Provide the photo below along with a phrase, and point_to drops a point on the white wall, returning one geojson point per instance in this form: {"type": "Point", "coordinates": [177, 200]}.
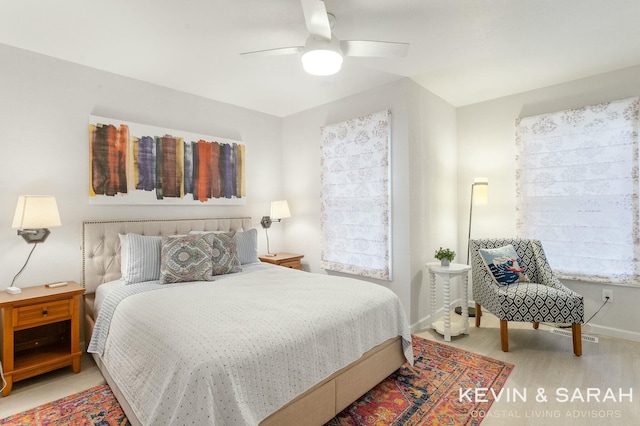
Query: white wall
{"type": "Point", "coordinates": [433, 208]}
{"type": "Point", "coordinates": [486, 147]}
{"type": "Point", "coordinates": [45, 105]}
{"type": "Point", "coordinates": [422, 150]}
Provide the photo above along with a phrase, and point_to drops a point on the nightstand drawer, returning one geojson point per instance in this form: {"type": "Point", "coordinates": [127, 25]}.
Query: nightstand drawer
{"type": "Point", "coordinates": [293, 264]}
{"type": "Point", "coordinates": [42, 313]}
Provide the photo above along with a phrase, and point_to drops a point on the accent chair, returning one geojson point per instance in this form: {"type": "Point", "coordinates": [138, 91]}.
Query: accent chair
{"type": "Point", "coordinates": [543, 298]}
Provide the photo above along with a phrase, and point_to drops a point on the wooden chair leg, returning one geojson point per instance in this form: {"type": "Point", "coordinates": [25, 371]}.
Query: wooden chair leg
{"type": "Point", "coordinates": [478, 314]}
{"type": "Point", "coordinates": [576, 332]}
{"type": "Point", "coordinates": [504, 336]}
{"type": "Point", "coordinates": [536, 325]}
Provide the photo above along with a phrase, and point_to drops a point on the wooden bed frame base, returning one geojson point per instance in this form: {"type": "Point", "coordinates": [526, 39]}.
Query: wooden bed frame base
{"type": "Point", "coordinates": [322, 402]}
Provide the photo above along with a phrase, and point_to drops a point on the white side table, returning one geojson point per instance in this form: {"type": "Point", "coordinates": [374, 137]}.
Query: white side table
{"type": "Point", "coordinates": [444, 325]}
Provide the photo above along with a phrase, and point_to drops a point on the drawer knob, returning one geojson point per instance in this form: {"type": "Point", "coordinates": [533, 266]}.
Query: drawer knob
{"type": "Point", "coordinates": [45, 312]}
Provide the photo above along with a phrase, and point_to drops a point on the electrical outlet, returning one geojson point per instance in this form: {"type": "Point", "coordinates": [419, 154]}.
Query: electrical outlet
{"type": "Point", "coordinates": [607, 293]}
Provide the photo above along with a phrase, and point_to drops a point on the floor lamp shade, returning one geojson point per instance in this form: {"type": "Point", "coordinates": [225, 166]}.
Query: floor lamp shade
{"type": "Point", "coordinates": [480, 188]}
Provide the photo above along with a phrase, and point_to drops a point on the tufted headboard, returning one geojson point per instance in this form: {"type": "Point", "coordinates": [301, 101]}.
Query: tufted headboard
{"type": "Point", "coordinates": [101, 243]}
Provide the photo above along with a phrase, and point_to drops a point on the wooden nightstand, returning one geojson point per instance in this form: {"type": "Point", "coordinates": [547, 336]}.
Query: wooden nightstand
{"type": "Point", "coordinates": [40, 331]}
{"type": "Point", "coordinates": [288, 260]}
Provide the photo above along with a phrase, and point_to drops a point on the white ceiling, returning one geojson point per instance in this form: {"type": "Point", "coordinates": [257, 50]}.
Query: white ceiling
{"type": "Point", "coordinates": [465, 51]}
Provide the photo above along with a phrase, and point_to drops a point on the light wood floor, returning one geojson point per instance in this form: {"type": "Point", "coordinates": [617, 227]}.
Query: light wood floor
{"type": "Point", "coordinates": [546, 361]}
{"type": "Point", "coordinates": [542, 361]}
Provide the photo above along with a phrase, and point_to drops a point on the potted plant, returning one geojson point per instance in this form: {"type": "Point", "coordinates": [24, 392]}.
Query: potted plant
{"type": "Point", "coordinates": [445, 256]}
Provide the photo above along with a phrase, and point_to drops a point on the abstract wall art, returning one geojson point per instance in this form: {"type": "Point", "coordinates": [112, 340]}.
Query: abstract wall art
{"type": "Point", "coordinates": [132, 163]}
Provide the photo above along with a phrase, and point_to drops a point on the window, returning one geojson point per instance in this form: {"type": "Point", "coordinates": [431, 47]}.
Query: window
{"type": "Point", "coordinates": [354, 201]}
{"type": "Point", "coordinates": [577, 189]}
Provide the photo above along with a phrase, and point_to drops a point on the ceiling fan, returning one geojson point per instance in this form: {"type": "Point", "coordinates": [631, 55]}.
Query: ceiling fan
{"type": "Point", "coordinates": [322, 53]}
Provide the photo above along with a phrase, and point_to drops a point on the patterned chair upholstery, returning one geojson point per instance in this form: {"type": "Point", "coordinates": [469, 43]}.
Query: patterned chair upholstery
{"type": "Point", "coordinates": [543, 299]}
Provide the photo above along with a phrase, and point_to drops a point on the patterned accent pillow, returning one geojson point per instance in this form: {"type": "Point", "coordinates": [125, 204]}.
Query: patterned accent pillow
{"type": "Point", "coordinates": [224, 253]}
{"type": "Point", "coordinates": [505, 265]}
{"type": "Point", "coordinates": [246, 243]}
{"type": "Point", "coordinates": [185, 258]}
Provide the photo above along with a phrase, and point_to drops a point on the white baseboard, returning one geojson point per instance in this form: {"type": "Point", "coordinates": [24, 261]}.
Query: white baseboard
{"type": "Point", "coordinates": [423, 324]}
{"type": "Point", "coordinates": [611, 332]}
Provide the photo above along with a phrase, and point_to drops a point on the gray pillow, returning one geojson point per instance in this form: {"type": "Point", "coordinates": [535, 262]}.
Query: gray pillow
{"type": "Point", "coordinates": [247, 245]}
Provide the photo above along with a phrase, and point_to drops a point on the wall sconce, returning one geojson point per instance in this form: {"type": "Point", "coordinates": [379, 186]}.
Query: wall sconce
{"type": "Point", "coordinates": [279, 211]}
{"type": "Point", "coordinates": [34, 215]}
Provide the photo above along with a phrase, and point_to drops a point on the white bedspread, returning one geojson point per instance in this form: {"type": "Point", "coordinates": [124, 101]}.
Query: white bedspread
{"type": "Point", "coordinates": [233, 351]}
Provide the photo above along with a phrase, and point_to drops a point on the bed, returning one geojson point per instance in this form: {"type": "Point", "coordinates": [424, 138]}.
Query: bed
{"type": "Point", "coordinates": [265, 345]}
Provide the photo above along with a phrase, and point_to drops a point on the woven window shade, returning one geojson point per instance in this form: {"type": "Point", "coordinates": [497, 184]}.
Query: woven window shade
{"type": "Point", "coordinates": [355, 205]}
{"type": "Point", "coordinates": [577, 189]}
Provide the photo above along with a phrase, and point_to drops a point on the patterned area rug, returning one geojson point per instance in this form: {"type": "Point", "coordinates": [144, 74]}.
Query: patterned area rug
{"type": "Point", "coordinates": [437, 390]}
{"type": "Point", "coordinates": [428, 393]}
{"type": "Point", "coordinates": [95, 406]}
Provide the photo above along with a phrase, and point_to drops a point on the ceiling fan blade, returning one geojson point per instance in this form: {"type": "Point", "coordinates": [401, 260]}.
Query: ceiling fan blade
{"type": "Point", "coordinates": [383, 49]}
{"type": "Point", "coordinates": [275, 52]}
{"type": "Point", "coordinates": [315, 16]}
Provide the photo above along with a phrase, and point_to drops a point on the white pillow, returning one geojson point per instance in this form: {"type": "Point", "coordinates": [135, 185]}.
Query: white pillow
{"type": "Point", "coordinates": [140, 257]}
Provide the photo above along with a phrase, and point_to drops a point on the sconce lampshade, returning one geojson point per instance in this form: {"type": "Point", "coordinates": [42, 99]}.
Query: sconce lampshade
{"type": "Point", "coordinates": [280, 210]}
{"type": "Point", "coordinates": [34, 214]}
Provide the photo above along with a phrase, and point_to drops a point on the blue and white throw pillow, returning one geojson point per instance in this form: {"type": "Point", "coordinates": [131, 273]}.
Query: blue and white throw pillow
{"type": "Point", "coordinates": [504, 264]}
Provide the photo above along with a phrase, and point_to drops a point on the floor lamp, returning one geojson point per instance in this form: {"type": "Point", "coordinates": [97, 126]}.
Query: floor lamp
{"type": "Point", "coordinates": [479, 196]}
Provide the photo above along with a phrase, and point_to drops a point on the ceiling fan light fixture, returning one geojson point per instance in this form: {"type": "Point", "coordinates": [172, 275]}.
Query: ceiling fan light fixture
{"type": "Point", "coordinates": [321, 62]}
